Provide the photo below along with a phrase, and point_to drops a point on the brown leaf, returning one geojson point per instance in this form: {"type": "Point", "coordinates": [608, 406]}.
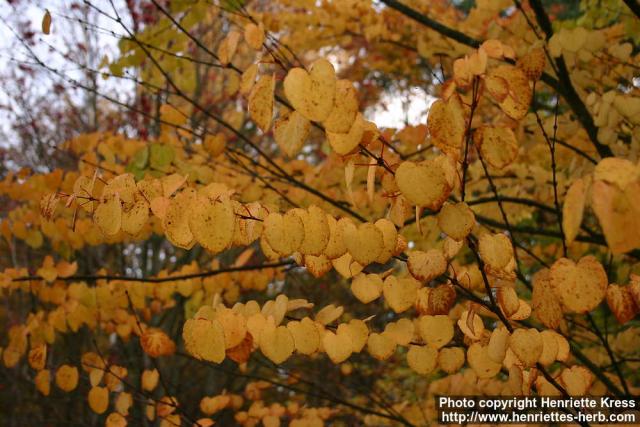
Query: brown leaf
{"type": "Point", "coordinates": [621, 302]}
{"type": "Point", "coordinates": [241, 352]}
{"type": "Point", "coordinates": [46, 22]}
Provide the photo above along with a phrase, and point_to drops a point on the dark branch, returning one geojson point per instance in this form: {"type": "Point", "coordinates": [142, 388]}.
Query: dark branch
{"type": "Point", "coordinates": [209, 273]}
{"type": "Point", "coordinates": [634, 6]}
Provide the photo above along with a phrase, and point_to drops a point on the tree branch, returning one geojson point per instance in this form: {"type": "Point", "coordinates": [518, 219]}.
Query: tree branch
{"type": "Point", "coordinates": [566, 86]}
{"type": "Point", "coordinates": [433, 24]}
{"type": "Point", "coordinates": [634, 6]}
{"type": "Point", "coordinates": [562, 85]}
{"type": "Point", "coordinates": [209, 273]}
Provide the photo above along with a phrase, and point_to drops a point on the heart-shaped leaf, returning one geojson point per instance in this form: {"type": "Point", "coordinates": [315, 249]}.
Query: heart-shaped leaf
{"type": "Point", "coordinates": [313, 93]}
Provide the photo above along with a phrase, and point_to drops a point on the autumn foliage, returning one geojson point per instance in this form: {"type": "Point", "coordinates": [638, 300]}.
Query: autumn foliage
{"type": "Point", "coordinates": [241, 244]}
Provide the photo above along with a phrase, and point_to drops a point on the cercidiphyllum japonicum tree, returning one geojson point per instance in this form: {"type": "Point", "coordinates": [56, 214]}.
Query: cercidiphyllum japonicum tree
{"type": "Point", "coordinates": [260, 251]}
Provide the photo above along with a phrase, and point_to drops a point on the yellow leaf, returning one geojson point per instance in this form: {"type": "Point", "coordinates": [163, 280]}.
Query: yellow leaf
{"type": "Point", "coordinates": [344, 110]}
{"type": "Point", "coordinates": [580, 287]}
{"type": "Point", "coordinates": [618, 171]}
{"type": "Point", "coordinates": [573, 209]}
{"type": "Point", "coordinates": [305, 336]}
{"type": "Point", "coordinates": [318, 266]}
{"type": "Point", "coordinates": [371, 179]}
{"type": "Point", "coordinates": [366, 287]}
{"type": "Point", "coordinates": [364, 242]}
{"type": "Point", "coordinates": [284, 233]}
{"type": "Point", "coordinates": [176, 219]}
{"type": "Point", "coordinates": [248, 79]}
{"type": "Point", "coordinates": [545, 304]}
{"type": "Point", "coordinates": [159, 206]}
{"type": "Point", "coordinates": [204, 339]}
{"type": "Point", "coordinates": [422, 359]}
{"type": "Point", "coordinates": [234, 326]}
{"type": "Point", "coordinates": [345, 143]}
{"type": "Point", "coordinates": [256, 323]}
{"type": "Point", "coordinates": [479, 360]}
{"type": "Point", "coordinates": [316, 230]}
{"type": "Point", "coordinates": [211, 405]}
{"type": "Point", "coordinates": [261, 102]}
{"type": "Point", "coordinates": [498, 145]}
{"type": "Point", "coordinates": [621, 302]}
{"type": "Point", "coordinates": [401, 293]}
{"type": "Point", "coordinates": [618, 211]}
{"type": "Point", "coordinates": [456, 220]}
{"type": "Point", "coordinates": [171, 115]}
{"type": "Point", "coordinates": [98, 399]}
{"type": "Point", "coordinates": [329, 314]}
{"type": "Point", "coordinates": [550, 347]}
{"type": "Point", "coordinates": [390, 239]}
{"type": "Point", "coordinates": [171, 183]}
{"type": "Point", "coordinates": [451, 359]}
{"type": "Point", "coordinates": [349, 174]}
{"type": "Point", "coordinates": [290, 132]}
{"type": "Point", "coordinates": [135, 217]}
{"type": "Point", "coordinates": [438, 300]}
{"type": "Point", "coordinates": [108, 215]}
{"type": "Point", "coordinates": [495, 250]}
{"type": "Point", "coordinates": [577, 380]}
{"type": "Point", "coordinates": [533, 63]}
{"type": "Point", "coordinates": [471, 325]}
{"type": "Point", "coordinates": [493, 48]}
{"type": "Point", "coordinates": [498, 344]}
{"type": "Point", "coordinates": [48, 205]}
{"type": "Point", "coordinates": [527, 345]}
{"type": "Point", "coordinates": [380, 346]}
{"type": "Point", "coordinates": [447, 125]}
{"type": "Point", "coordinates": [358, 331]}
{"type": "Point", "coordinates": [67, 377]}
{"type": "Point", "coordinates": [150, 188]}
{"type": "Point", "coordinates": [426, 184]}
{"type": "Point", "coordinates": [228, 46]}
{"type": "Point", "coordinates": [113, 379]}
{"type": "Point", "coordinates": [212, 223]}
{"type": "Point", "coordinates": [123, 403]}
{"type": "Point", "coordinates": [150, 379]}
{"type": "Point", "coordinates": [516, 103]}
{"type": "Point", "coordinates": [48, 270]}
{"type": "Point", "coordinates": [508, 300]}
{"type": "Point", "coordinates": [312, 94]}
{"type": "Point", "coordinates": [66, 269]}
{"type": "Point", "coordinates": [115, 420]}
{"type": "Point", "coordinates": [451, 247]}
{"type": "Point", "coordinates": [426, 266]}
{"type": "Point", "coordinates": [156, 343]}
{"type": "Point", "coordinates": [497, 87]}
{"type": "Point", "coordinates": [572, 40]}
{"type": "Point", "coordinates": [436, 331]}
{"type": "Point", "coordinates": [335, 246]}
{"type": "Point", "coordinates": [83, 190]}
{"type": "Point", "coordinates": [166, 406]}
{"type": "Point", "coordinates": [254, 35]}
{"type": "Point", "coordinates": [401, 332]}
{"type": "Point", "coordinates": [43, 381]}
{"type": "Point", "coordinates": [248, 223]}
{"type": "Point", "coordinates": [276, 343]}
{"type": "Point", "coordinates": [337, 346]}
{"type": "Point", "coordinates": [38, 357]}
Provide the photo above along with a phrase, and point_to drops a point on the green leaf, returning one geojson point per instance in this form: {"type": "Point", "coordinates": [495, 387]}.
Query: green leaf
{"type": "Point", "coordinates": [160, 156]}
{"type": "Point", "coordinates": [232, 5]}
{"type": "Point", "coordinates": [141, 159]}
{"type": "Point", "coordinates": [138, 173]}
